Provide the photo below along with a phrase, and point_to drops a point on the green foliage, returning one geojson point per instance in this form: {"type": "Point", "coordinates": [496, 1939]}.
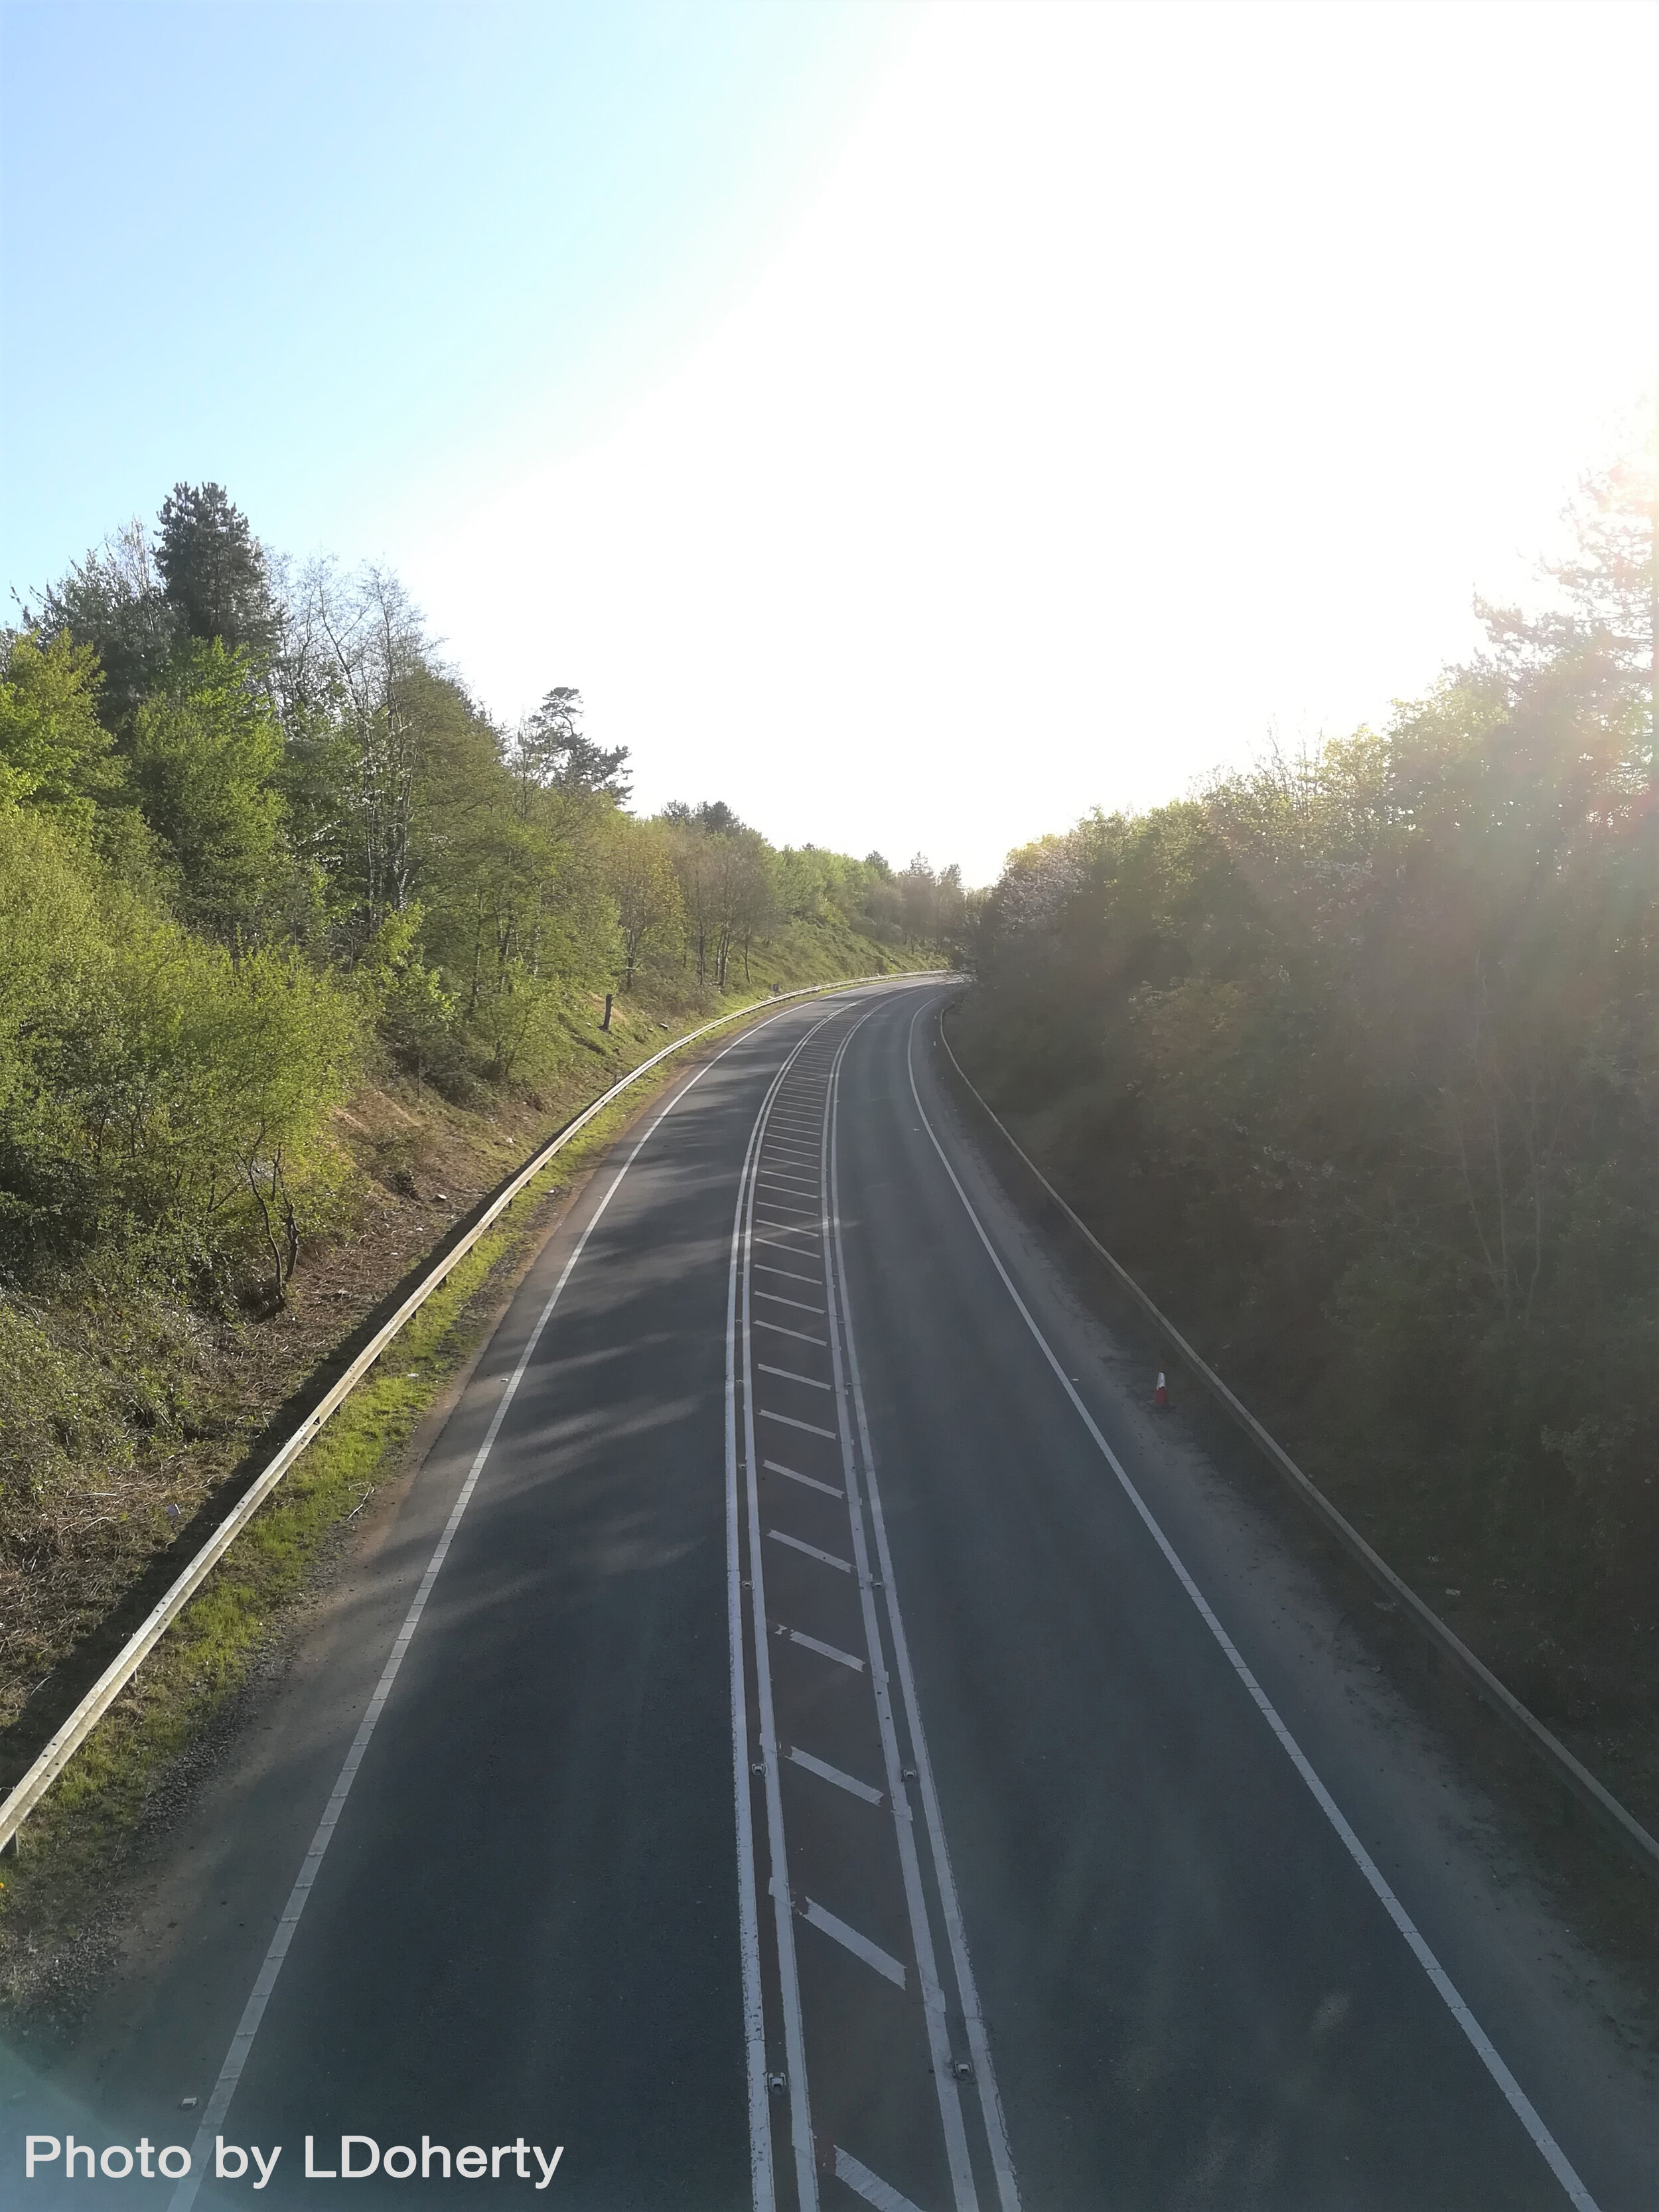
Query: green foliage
{"type": "Point", "coordinates": [150, 1085]}
{"type": "Point", "coordinates": [1355, 1056]}
{"type": "Point", "coordinates": [254, 836]}
{"type": "Point", "coordinates": [205, 755]}
{"type": "Point", "coordinates": [55, 754]}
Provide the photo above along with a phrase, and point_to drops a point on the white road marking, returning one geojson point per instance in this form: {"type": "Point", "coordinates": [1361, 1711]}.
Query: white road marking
{"type": "Point", "coordinates": [823, 1768]}
{"type": "Point", "coordinates": [811, 1550]}
{"type": "Point", "coordinates": [781, 1206]}
{"type": "Point", "coordinates": [783, 1229]}
{"type": "Point", "coordinates": [799, 1334]}
{"type": "Point", "coordinates": [777, 1467]}
{"type": "Point", "coordinates": [870, 2186]}
{"type": "Point", "coordinates": [778, 1300]}
{"type": "Point", "coordinates": [253, 2012]}
{"type": "Point", "coordinates": [859, 1945]}
{"type": "Point", "coordinates": [825, 1651]}
{"type": "Point", "coordinates": [1513, 2094]}
{"type": "Point", "coordinates": [790, 1422]}
{"type": "Point", "coordinates": [789, 1275]}
{"type": "Point", "coordinates": [800, 2116]}
{"type": "Point", "coordinates": [946, 2089]}
{"type": "Point", "coordinates": [789, 1375]}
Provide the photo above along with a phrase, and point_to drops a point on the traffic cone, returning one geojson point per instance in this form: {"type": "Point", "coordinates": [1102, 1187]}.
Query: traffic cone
{"type": "Point", "coordinates": [1161, 1395]}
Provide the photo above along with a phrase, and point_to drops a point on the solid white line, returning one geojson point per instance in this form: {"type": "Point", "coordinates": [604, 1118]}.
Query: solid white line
{"type": "Point", "coordinates": [870, 2186]}
{"type": "Point", "coordinates": [825, 1651]}
{"type": "Point", "coordinates": [789, 1421]}
{"type": "Point", "coordinates": [777, 1467]}
{"type": "Point", "coordinates": [1513, 2094]}
{"type": "Point", "coordinates": [811, 1550]}
{"type": "Point", "coordinates": [762, 2178]}
{"type": "Point", "coordinates": [828, 1773]}
{"type": "Point", "coordinates": [921, 1935]}
{"type": "Point", "coordinates": [789, 1375]}
{"type": "Point", "coordinates": [253, 2012]}
{"type": "Point", "coordinates": [859, 1945]}
{"type": "Point", "coordinates": [799, 1334]}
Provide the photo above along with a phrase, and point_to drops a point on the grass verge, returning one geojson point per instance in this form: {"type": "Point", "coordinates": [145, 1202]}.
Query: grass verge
{"type": "Point", "coordinates": [59, 1904]}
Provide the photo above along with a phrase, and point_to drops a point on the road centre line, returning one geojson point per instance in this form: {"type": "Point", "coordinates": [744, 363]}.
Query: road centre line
{"type": "Point", "coordinates": [790, 1422]}
{"type": "Point", "coordinates": [825, 1772]}
{"type": "Point", "coordinates": [859, 1945]}
{"type": "Point", "coordinates": [789, 1375]}
{"type": "Point", "coordinates": [800, 2118]}
{"type": "Point", "coordinates": [1510, 2089]}
{"type": "Point", "coordinates": [253, 2012]}
{"type": "Point", "coordinates": [828, 1558]}
{"type": "Point", "coordinates": [799, 1334]}
{"type": "Point", "coordinates": [945, 2084]}
{"type": "Point", "coordinates": [776, 1466]}
{"type": "Point", "coordinates": [825, 1651]}
{"type": "Point", "coordinates": [870, 2186]}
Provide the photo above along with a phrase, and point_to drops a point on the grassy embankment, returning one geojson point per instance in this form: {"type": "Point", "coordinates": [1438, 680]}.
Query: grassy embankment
{"type": "Point", "coordinates": [412, 1164]}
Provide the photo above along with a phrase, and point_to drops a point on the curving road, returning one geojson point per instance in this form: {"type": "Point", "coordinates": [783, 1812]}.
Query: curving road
{"type": "Point", "coordinates": [806, 1738]}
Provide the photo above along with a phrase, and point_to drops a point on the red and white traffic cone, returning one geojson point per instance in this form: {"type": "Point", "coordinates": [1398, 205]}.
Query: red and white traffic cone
{"type": "Point", "coordinates": [1161, 1395]}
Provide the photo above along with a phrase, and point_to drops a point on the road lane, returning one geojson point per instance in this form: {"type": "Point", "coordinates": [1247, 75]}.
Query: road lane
{"type": "Point", "coordinates": [1195, 1998]}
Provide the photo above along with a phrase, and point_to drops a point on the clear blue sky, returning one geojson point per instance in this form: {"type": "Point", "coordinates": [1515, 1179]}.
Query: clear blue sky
{"type": "Point", "coordinates": [913, 423]}
{"type": "Point", "coordinates": [340, 254]}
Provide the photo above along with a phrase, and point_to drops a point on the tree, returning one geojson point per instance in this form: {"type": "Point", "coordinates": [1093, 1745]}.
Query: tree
{"type": "Point", "coordinates": [650, 909]}
{"type": "Point", "coordinates": [205, 754]}
{"type": "Point", "coordinates": [554, 751]}
{"type": "Point", "coordinates": [214, 571]}
{"type": "Point", "coordinates": [55, 754]}
{"type": "Point", "coordinates": [113, 601]}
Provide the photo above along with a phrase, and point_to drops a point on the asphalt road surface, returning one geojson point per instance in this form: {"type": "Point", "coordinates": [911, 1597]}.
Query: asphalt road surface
{"type": "Point", "coordinates": [802, 1741]}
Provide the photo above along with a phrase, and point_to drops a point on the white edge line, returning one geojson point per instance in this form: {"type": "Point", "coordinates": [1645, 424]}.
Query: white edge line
{"type": "Point", "coordinates": [1513, 2094]}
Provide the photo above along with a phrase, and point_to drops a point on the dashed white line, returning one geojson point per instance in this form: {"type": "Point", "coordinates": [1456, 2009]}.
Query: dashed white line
{"type": "Point", "coordinates": [859, 1945]}
{"type": "Point", "coordinates": [825, 1772]}
{"type": "Point", "coordinates": [777, 1467]}
{"type": "Point", "coordinates": [825, 1651]}
{"type": "Point", "coordinates": [777, 1298]}
{"type": "Point", "coordinates": [799, 1334]}
{"type": "Point", "coordinates": [789, 1375]}
{"type": "Point", "coordinates": [870, 2186]}
{"type": "Point", "coordinates": [811, 1550]}
{"type": "Point", "coordinates": [789, 1421]}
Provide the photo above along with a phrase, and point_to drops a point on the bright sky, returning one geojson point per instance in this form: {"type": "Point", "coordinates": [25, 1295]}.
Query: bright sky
{"type": "Point", "coordinates": [913, 424]}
